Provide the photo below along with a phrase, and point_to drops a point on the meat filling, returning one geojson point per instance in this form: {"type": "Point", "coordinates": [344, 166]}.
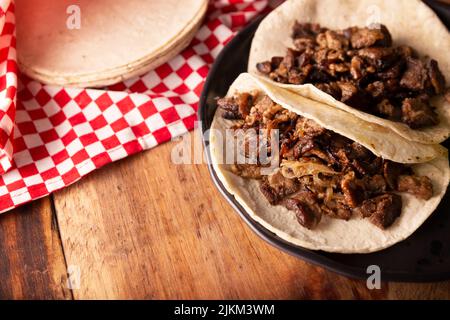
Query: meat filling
{"type": "Point", "coordinates": [361, 68]}
{"type": "Point", "coordinates": [321, 172]}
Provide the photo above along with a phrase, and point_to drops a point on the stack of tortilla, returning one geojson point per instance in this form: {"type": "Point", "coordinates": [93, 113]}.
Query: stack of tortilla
{"type": "Point", "coordinates": [97, 43]}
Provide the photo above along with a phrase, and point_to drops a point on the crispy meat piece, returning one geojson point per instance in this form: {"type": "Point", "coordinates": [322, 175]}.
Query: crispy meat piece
{"type": "Point", "coordinates": [418, 114]}
{"type": "Point", "coordinates": [356, 66]}
{"type": "Point", "coordinates": [308, 128]}
{"type": "Point", "coordinates": [382, 210]}
{"type": "Point", "coordinates": [421, 187]}
{"type": "Point", "coordinates": [378, 57]}
{"type": "Point", "coordinates": [331, 88]}
{"type": "Point", "coordinates": [353, 96]}
{"type": "Point", "coordinates": [236, 107]}
{"type": "Point", "coordinates": [374, 185]}
{"type": "Point", "coordinates": [249, 171]}
{"type": "Point", "coordinates": [436, 77]}
{"type": "Point", "coordinates": [376, 89]}
{"type": "Point", "coordinates": [276, 187]}
{"type": "Point", "coordinates": [353, 193]}
{"type": "Point", "coordinates": [337, 209]}
{"type": "Point", "coordinates": [375, 35]}
{"type": "Point", "coordinates": [391, 172]}
{"type": "Point", "coordinates": [306, 30]}
{"type": "Point", "coordinates": [387, 110]}
{"type": "Point", "coordinates": [332, 40]}
{"type": "Point", "coordinates": [415, 76]}
{"type": "Point", "coordinates": [306, 208]}
{"type": "Point", "coordinates": [264, 67]}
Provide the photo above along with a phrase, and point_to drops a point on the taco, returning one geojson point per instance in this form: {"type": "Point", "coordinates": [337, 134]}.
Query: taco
{"type": "Point", "coordinates": [383, 61]}
{"type": "Point", "coordinates": [334, 182]}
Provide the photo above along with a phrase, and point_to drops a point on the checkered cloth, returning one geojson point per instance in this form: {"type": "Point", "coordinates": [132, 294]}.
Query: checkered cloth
{"type": "Point", "coordinates": [52, 136]}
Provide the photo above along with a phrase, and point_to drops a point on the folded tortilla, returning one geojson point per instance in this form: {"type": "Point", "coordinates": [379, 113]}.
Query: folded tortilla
{"type": "Point", "coordinates": [410, 22]}
{"type": "Point", "coordinates": [356, 235]}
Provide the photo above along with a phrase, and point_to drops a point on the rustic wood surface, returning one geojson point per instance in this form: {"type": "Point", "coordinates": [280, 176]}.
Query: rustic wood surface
{"type": "Point", "coordinates": [147, 228]}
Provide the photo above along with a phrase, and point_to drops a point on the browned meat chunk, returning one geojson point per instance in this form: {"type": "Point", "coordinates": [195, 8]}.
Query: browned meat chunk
{"type": "Point", "coordinates": [249, 171]}
{"type": "Point", "coordinates": [264, 67]}
{"type": "Point", "coordinates": [391, 172]}
{"type": "Point", "coordinates": [375, 35]}
{"type": "Point", "coordinates": [374, 185]}
{"type": "Point", "coordinates": [331, 88]}
{"type": "Point", "coordinates": [276, 187]}
{"type": "Point", "coordinates": [337, 209]}
{"type": "Point", "coordinates": [308, 128]}
{"type": "Point", "coordinates": [376, 89]}
{"type": "Point", "coordinates": [382, 210]}
{"type": "Point", "coordinates": [418, 114]}
{"type": "Point", "coordinates": [306, 30]}
{"type": "Point", "coordinates": [353, 193]}
{"type": "Point", "coordinates": [415, 75]}
{"type": "Point", "coordinates": [306, 209]}
{"type": "Point", "coordinates": [237, 107]}
{"type": "Point", "coordinates": [421, 187]}
{"type": "Point", "coordinates": [387, 110]}
{"type": "Point", "coordinates": [332, 40]}
{"type": "Point", "coordinates": [356, 65]}
{"type": "Point", "coordinates": [351, 95]}
{"type": "Point", "coordinates": [436, 77]}
{"type": "Point", "coordinates": [378, 57]}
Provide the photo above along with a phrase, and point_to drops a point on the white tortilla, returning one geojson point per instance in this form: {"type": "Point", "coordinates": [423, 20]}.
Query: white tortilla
{"type": "Point", "coordinates": [410, 22]}
{"type": "Point", "coordinates": [118, 39]}
{"type": "Point", "coordinates": [354, 236]}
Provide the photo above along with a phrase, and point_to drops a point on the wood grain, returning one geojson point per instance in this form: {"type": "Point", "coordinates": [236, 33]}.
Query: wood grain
{"type": "Point", "coordinates": [31, 259]}
{"type": "Point", "coordinates": [146, 228]}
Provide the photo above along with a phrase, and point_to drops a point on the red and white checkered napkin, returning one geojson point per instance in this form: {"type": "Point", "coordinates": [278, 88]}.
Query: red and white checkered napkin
{"type": "Point", "coordinates": [52, 136]}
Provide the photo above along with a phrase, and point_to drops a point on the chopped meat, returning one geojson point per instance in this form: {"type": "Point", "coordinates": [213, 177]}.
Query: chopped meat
{"type": "Point", "coordinates": [323, 172]}
{"type": "Point", "coordinates": [376, 89]}
{"type": "Point", "coordinates": [308, 128]}
{"type": "Point", "coordinates": [405, 51]}
{"type": "Point", "coordinates": [387, 110]}
{"type": "Point", "coordinates": [305, 30]}
{"type": "Point", "coordinates": [415, 75]}
{"type": "Point", "coordinates": [331, 88]}
{"type": "Point", "coordinates": [375, 35]}
{"type": "Point", "coordinates": [237, 107]}
{"type": "Point", "coordinates": [391, 172]}
{"type": "Point", "coordinates": [275, 187]}
{"type": "Point", "coordinates": [378, 57]}
{"type": "Point", "coordinates": [353, 193]}
{"type": "Point", "coordinates": [418, 114]}
{"type": "Point", "coordinates": [249, 171]}
{"type": "Point", "coordinates": [352, 96]}
{"type": "Point", "coordinates": [421, 187]}
{"type": "Point", "coordinates": [264, 67]}
{"type": "Point", "coordinates": [306, 208]}
{"type": "Point", "coordinates": [393, 72]}
{"type": "Point", "coordinates": [374, 185]}
{"type": "Point", "coordinates": [436, 77]}
{"type": "Point", "coordinates": [447, 95]}
{"type": "Point", "coordinates": [337, 209]}
{"type": "Point", "coordinates": [356, 65]}
{"type": "Point", "coordinates": [332, 40]}
{"type": "Point", "coordinates": [361, 68]}
{"type": "Point", "coordinates": [382, 210]}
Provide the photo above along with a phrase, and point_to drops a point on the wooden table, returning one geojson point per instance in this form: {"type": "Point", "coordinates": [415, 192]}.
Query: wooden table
{"type": "Point", "coordinates": [147, 228]}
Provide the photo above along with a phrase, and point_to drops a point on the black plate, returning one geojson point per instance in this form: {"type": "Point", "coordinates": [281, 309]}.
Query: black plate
{"type": "Point", "coordinates": [425, 256]}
